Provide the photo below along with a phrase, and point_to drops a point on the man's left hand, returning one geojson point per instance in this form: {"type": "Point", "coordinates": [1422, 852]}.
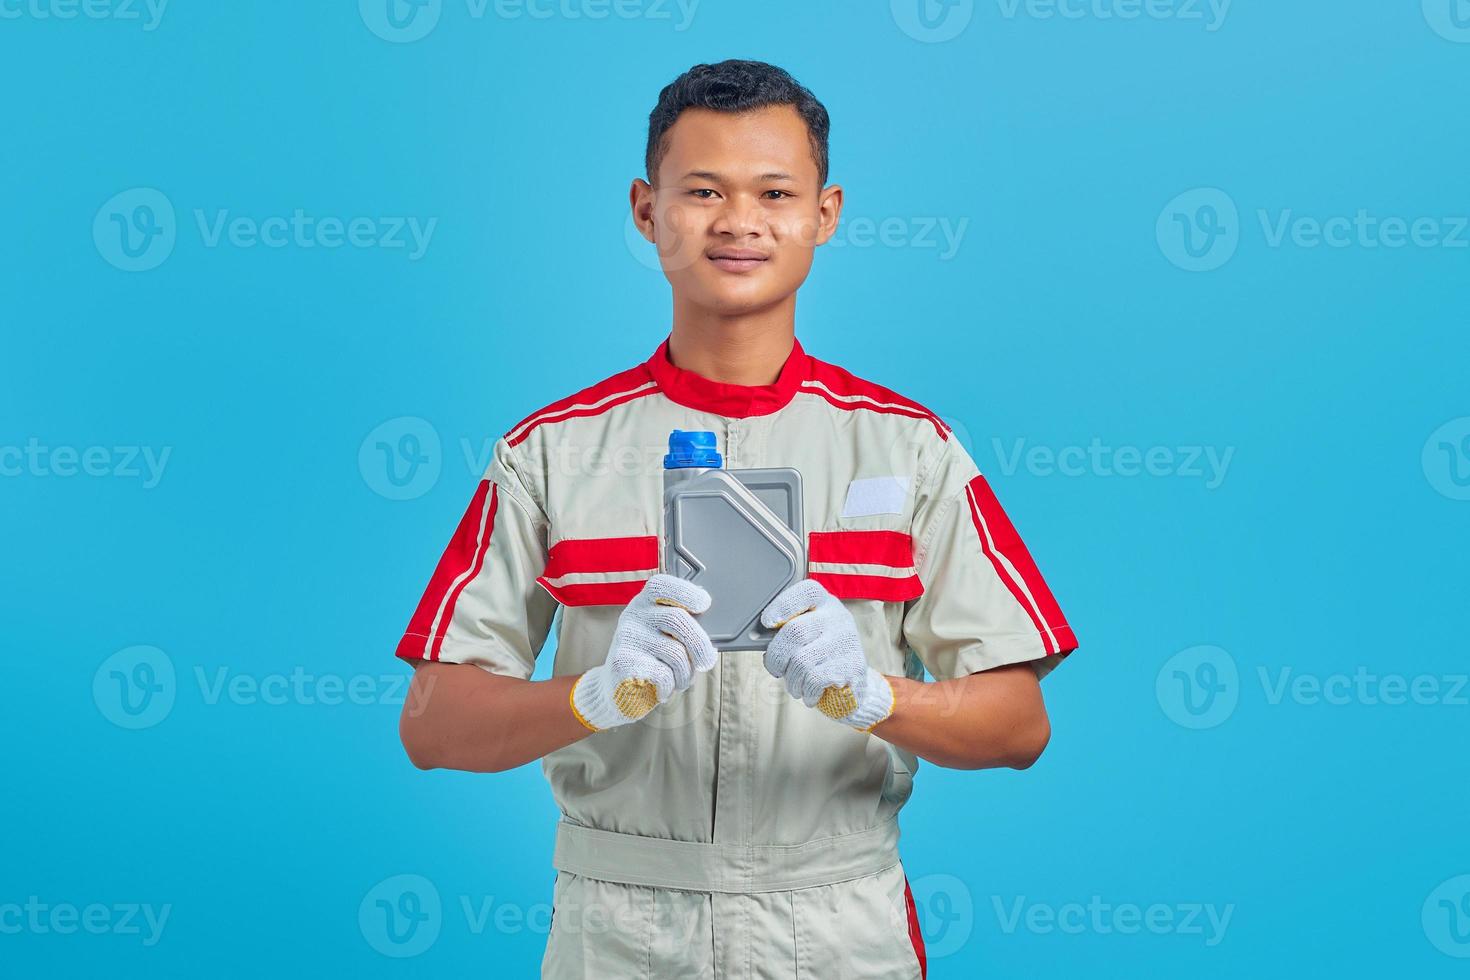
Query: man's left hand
{"type": "Point", "coordinates": [818, 653]}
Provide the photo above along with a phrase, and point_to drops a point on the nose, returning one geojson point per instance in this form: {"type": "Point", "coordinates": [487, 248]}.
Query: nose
{"type": "Point", "coordinates": [739, 217]}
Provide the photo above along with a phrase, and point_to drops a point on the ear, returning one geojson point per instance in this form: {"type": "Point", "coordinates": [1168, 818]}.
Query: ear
{"type": "Point", "coordinates": [829, 210]}
{"type": "Point", "coordinates": [640, 199]}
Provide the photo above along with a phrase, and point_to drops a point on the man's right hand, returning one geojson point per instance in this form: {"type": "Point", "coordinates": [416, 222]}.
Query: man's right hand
{"type": "Point", "coordinates": [656, 650]}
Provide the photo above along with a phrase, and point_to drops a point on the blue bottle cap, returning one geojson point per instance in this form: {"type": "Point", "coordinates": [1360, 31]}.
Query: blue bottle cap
{"type": "Point", "coordinates": [692, 448]}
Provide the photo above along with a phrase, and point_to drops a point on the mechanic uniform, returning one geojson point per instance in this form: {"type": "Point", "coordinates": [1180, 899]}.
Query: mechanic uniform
{"type": "Point", "coordinates": [734, 833]}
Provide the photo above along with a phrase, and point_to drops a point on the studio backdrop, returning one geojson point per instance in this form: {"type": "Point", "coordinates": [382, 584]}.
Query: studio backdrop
{"type": "Point", "coordinates": [1188, 278]}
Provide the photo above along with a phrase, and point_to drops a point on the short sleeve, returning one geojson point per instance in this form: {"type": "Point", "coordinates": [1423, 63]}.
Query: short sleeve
{"type": "Point", "coordinates": [482, 605]}
{"type": "Point", "coordinates": [984, 602]}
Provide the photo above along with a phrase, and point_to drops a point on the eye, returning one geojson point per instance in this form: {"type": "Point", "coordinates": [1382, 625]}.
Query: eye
{"type": "Point", "coordinates": [700, 192]}
{"type": "Point", "coordinates": [783, 194]}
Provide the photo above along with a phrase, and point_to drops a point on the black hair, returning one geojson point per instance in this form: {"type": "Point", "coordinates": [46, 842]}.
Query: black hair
{"type": "Point", "coordinates": [735, 86]}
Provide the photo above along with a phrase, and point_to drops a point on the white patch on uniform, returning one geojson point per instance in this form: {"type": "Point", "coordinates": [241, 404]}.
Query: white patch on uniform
{"type": "Point", "coordinates": [876, 495]}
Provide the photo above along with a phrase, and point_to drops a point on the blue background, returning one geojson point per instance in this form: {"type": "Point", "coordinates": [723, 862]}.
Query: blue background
{"type": "Point", "coordinates": [1336, 540]}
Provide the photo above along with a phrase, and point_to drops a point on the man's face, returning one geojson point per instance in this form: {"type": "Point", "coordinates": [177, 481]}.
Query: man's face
{"type": "Point", "coordinates": [738, 208]}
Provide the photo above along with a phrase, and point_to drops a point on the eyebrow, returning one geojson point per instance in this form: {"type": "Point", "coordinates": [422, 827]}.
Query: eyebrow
{"type": "Point", "coordinates": [718, 178]}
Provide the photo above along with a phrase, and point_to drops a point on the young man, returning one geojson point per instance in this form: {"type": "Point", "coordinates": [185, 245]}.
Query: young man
{"type": "Point", "coordinates": [733, 815]}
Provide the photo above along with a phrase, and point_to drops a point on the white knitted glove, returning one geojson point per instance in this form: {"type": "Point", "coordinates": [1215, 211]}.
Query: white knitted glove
{"type": "Point", "coordinates": [656, 650]}
{"type": "Point", "coordinates": [818, 652]}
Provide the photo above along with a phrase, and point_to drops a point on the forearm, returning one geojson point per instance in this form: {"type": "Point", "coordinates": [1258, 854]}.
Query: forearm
{"type": "Point", "coordinates": [458, 716]}
{"type": "Point", "coordinates": [987, 720]}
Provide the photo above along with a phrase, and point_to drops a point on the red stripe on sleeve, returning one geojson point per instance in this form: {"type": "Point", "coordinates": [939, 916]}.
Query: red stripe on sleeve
{"type": "Point", "coordinates": [483, 548]}
{"type": "Point", "coordinates": [1031, 590]}
{"type": "Point", "coordinates": [459, 563]}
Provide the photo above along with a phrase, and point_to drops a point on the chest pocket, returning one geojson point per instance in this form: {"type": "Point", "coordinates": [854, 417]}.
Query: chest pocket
{"type": "Point", "coordinates": [866, 564]}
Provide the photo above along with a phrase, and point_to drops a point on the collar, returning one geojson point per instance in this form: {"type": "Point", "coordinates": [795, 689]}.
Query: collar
{"type": "Point", "coordinates": [730, 400]}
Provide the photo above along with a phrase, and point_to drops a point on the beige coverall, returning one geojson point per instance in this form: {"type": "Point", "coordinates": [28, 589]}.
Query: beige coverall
{"type": "Point", "coordinates": [735, 832]}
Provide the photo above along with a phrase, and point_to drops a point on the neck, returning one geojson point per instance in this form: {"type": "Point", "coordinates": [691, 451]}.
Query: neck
{"type": "Point", "coordinates": [740, 349]}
